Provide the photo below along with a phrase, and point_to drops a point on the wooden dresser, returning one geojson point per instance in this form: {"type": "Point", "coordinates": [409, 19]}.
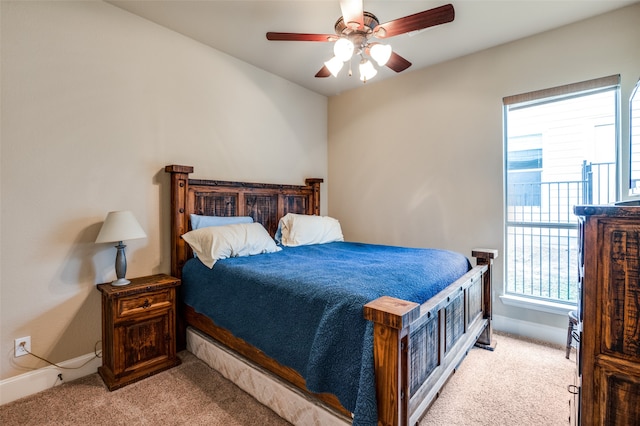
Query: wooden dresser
{"type": "Point", "coordinates": [608, 359]}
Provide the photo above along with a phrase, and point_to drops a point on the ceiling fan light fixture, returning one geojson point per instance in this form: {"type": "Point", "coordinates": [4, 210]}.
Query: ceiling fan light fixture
{"type": "Point", "coordinates": [367, 70]}
{"type": "Point", "coordinates": [354, 31]}
{"type": "Point", "coordinates": [343, 49]}
{"type": "Point", "coordinates": [381, 53]}
{"type": "Point", "coordinates": [334, 65]}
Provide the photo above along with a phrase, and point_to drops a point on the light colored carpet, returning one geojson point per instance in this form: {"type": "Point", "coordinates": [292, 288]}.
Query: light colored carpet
{"type": "Point", "coordinates": [520, 383]}
{"type": "Point", "coordinates": [189, 394]}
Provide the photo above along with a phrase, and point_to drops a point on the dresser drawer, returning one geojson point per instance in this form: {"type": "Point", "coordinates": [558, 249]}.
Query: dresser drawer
{"type": "Point", "coordinates": [133, 305]}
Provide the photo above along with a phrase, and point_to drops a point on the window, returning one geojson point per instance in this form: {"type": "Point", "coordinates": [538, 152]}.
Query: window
{"type": "Point", "coordinates": [560, 150]}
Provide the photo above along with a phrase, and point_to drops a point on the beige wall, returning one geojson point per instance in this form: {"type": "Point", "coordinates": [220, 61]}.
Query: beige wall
{"type": "Point", "coordinates": [95, 102]}
{"type": "Point", "coordinates": [417, 160]}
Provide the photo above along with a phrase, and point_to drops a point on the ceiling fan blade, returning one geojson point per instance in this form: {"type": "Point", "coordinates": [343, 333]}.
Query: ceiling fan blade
{"type": "Point", "coordinates": [397, 62]}
{"type": "Point", "coordinates": [300, 37]}
{"type": "Point", "coordinates": [417, 21]}
{"type": "Point", "coordinates": [352, 13]}
{"type": "Point", "coordinates": [324, 72]}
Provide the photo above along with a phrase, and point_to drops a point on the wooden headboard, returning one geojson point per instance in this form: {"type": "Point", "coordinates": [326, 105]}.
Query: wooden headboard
{"type": "Point", "coordinates": [265, 203]}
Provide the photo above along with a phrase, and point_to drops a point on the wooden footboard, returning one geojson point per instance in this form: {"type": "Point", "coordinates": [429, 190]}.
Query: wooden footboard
{"type": "Point", "coordinates": [418, 347]}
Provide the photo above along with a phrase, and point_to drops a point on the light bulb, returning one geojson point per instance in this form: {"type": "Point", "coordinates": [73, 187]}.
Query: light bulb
{"type": "Point", "coordinates": [343, 49]}
{"type": "Point", "coordinates": [334, 65]}
{"type": "Point", "coordinates": [381, 53]}
{"type": "Point", "coordinates": [367, 70]}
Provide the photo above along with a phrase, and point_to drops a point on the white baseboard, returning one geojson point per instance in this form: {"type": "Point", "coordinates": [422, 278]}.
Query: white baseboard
{"type": "Point", "coordinates": [44, 378]}
{"type": "Point", "coordinates": [545, 333]}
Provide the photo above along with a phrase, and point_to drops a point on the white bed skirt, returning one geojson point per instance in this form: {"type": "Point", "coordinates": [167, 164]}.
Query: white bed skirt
{"type": "Point", "coordinates": [284, 399]}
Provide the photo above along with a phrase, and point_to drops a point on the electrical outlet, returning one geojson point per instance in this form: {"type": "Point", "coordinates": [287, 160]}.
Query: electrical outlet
{"type": "Point", "coordinates": [23, 346]}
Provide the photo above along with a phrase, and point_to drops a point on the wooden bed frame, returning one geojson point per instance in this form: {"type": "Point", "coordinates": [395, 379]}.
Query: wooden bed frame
{"type": "Point", "coordinates": [416, 347]}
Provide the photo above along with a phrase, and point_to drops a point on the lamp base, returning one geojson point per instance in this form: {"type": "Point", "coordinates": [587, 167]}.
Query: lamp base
{"type": "Point", "coordinates": [121, 266]}
{"type": "Point", "coordinates": [120, 281]}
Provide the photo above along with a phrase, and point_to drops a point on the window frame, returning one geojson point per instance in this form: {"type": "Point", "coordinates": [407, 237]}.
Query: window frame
{"type": "Point", "coordinates": [537, 98]}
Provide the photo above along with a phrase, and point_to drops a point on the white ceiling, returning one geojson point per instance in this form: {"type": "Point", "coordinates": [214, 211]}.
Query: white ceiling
{"type": "Point", "coordinates": [238, 28]}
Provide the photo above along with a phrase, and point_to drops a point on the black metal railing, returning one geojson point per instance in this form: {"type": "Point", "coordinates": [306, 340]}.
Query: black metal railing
{"type": "Point", "coordinates": [542, 232]}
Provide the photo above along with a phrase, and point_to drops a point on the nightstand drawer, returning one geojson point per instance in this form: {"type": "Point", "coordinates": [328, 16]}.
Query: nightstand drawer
{"type": "Point", "coordinates": [144, 303]}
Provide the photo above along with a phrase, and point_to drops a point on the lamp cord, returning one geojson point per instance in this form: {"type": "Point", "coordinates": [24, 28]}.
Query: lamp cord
{"type": "Point", "coordinates": [96, 354]}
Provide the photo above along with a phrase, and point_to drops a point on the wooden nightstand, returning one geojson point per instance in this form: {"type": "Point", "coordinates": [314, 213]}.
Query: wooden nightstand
{"type": "Point", "coordinates": [138, 329]}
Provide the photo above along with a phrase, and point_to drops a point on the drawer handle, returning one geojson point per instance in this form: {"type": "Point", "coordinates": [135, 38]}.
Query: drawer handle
{"type": "Point", "coordinates": [146, 304]}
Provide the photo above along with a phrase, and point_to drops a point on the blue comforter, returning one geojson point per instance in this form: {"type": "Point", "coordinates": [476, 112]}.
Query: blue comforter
{"type": "Point", "coordinates": [303, 306]}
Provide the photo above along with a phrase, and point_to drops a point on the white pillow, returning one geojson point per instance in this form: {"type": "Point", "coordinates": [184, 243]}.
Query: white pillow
{"type": "Point", "coordinates": [213, 243]}
{"type": "Point", "coordinates": [299, 229]}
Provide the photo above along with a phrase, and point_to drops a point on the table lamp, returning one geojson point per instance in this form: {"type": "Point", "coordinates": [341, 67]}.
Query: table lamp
{"type": "Point", "coordinates": [118, 227]}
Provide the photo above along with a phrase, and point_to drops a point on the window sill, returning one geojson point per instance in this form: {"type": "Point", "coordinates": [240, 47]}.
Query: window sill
{"type": "Point", "coordinates": [537, 304]}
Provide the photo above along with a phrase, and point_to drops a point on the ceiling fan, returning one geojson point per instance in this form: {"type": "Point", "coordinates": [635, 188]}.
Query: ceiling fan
{"type": "Point", "coordinates": [355, 30]}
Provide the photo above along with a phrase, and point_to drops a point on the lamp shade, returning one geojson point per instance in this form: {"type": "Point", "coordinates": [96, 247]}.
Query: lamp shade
{"type": "Point", "coordinates": [334, 65]}
{"type": "Point", "coordinates": [367, 70]}
{"type": "Point", "coordinates": [120, 226]}
{"type": "Point", "coordinates": [343, 49]}
{"type": "Point", "coordinates": [381, 53]}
